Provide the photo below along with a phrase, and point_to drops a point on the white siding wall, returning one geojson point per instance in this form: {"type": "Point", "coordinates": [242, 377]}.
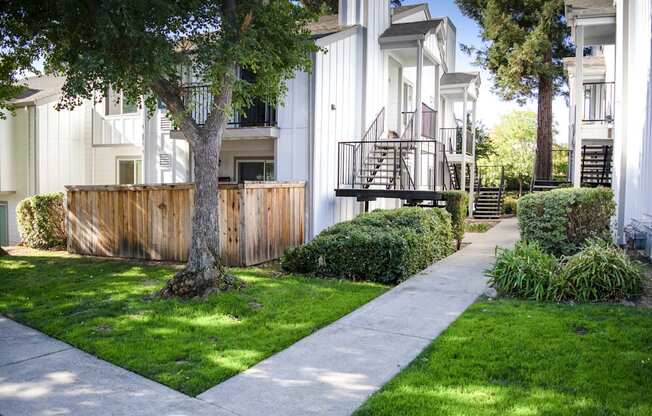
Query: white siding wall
{"type": "Point", "coordinates": [293, 144]}
{"type": "Point", "coordinates": [14, 162]}
{"type": "Point", "coordinates": [633, 145]}
{"type": "Point", "coordinates": [104, 162]}
{"type": "Point", "coordinates": [157, 143]}
{"type": "Point", "coordinates": [414, 17]}
{"type": "Point", "coordinates": [118, 129]}
{"type": "Point", "coordinates": [336, 118]}
{"type": "Point", "coordinates": [61, 148]}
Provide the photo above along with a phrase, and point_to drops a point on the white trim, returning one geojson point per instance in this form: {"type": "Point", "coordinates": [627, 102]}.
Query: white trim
{"type": "Point", "coordinates": [119, 159]}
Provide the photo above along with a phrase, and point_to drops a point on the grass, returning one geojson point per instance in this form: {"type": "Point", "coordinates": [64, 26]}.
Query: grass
{"type": "Point", "coordinates": [477, 227]}
{"type": "Point", "coordinates": [524, 358]}
{"type": "Point", "coordinates": [101, 307]}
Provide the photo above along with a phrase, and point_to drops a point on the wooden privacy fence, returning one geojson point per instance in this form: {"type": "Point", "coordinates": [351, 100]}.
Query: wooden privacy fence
{"type": "Point", "coordinates": [258, 220]}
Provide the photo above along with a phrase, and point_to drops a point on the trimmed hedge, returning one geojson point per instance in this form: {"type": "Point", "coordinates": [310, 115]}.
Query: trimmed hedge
{"type": "Point", "coordinates": [599, 272]}
{"type": "Point", "coordinates": [562, 220]}
{"type": "Point", "coordinates": [457, 204]}
{"type": "Point", "coordinates": [384, 246]}
{"type": "Point", "coordinates": [41, 221]}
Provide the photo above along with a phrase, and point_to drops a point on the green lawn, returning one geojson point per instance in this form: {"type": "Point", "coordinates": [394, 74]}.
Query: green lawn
{"type": "Point", "coordinates": [525, 358]}
{"type": "Point", "coordinates": [101, 307]}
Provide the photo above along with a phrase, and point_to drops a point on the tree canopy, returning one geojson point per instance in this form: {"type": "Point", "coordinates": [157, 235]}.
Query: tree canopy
{"type": "Point", "coordinates": [144, 48]}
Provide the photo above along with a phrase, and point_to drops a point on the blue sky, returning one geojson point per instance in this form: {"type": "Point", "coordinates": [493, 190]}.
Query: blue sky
{"type": "Point", "coordinates": [490, 107]}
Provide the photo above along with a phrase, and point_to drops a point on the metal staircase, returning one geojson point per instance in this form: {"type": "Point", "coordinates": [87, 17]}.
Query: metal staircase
{"type": "Point", "coordinates": [596, 165]}
{"type": "Point", "coordinates": [386, 165]}
{"type": "Point", "coordinates": [490, 194]}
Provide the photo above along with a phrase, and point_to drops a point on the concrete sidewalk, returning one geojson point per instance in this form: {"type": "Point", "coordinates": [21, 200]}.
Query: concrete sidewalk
{"type": "Point", "coordinates": [334, 370]}
{"type": "Point", "coordinates": [42, 376]}
{"type": "Point", "coordinates": [331, 372]}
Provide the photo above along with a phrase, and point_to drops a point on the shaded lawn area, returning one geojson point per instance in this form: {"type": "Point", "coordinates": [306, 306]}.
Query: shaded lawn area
{"type": "Point", "coordinates": [100, 306]}
{"type": "Point", "coordinates": [524, 358]}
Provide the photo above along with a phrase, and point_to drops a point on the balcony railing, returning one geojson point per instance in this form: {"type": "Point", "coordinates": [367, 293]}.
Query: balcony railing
{"type": "Point", "coordinates": [405, 165]}
{"type": "Point", "coordinates": [428, 121]}
{"type": "Point", "coordinates": [200, 101]}
{"type": "Point", "coordinates": [452, 137]}
{"type": "Point", "coordinates": [599, 102]}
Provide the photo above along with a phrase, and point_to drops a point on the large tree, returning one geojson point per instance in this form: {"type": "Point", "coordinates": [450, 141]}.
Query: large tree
{"type": "Point", "coordinates": [524, 44]}
{"type": "Point", "coordinates": [139, 47]}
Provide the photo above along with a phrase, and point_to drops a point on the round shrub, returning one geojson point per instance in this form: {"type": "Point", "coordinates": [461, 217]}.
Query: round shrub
{"type": "Point", "coordinates": [600, 272]}
{"type": "Point", "coordinates": [385, 246]}
{"type": "Point", "coordinates": [41, 221]}
{"type": "Point", "coordinates": [562, 220]}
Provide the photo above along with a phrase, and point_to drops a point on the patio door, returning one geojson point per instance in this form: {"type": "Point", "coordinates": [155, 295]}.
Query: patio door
{"type": "Point", "coordinates": [4, 224]}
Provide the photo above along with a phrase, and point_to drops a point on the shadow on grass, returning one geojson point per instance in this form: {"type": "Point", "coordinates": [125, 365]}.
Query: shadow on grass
{"type": "Point", "coordinates": [527, 358]}
{"type": "Point", "coordinates": [101, 306]}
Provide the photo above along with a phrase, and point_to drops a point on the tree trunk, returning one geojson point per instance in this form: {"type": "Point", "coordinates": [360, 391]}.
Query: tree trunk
{"type": "Point", "coordinates": [204, 271]}
{"type": "Point", "coordinates": [3, 252]}
{"type": "Point", "coordinates": [543, 166]}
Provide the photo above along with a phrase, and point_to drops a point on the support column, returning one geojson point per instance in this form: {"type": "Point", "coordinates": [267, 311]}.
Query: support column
{"type": "Point", "coordinates": [464, 128]}
{"type": "Point", "coordinates": [579, 105]}
{"type": "Point", "coordinates": [472, 176]}
{"type": "Point", "coordinates": [417, 116]}
{"type": "Point", "coordinates": [437, 99]}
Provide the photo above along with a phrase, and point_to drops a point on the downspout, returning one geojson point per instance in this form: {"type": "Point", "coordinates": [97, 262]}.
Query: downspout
{"type": "Point", "coordinates": [309, 217]}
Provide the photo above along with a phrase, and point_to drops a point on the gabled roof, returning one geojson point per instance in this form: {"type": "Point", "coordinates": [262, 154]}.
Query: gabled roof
{"type": "Point", "coordinates": [411, 29]}
{"type": "Point", "coordinates": [326, 25]}
{"type": "Point", "coordinates": [38, 88]}
{"type": "Point", "coordinates": [457, 78]}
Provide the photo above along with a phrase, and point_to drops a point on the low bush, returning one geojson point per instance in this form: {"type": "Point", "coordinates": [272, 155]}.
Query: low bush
{"type": "Point", "coordinates": [509, 205]}
{"type": "Point", "coordinates": [599, 272]}
{"type": "Point", "coordinates": [457, 204]}
{"type": "Point", "coordinates": [525, 272]}
{"type": "Point", "coordinates": [385, 246]}
{"type": "Point", "coordinates": [476, 227]}
{"type": "Point", "coordinates": [41, 221]}
{"type": "Point", "coordinates": [562, 220]}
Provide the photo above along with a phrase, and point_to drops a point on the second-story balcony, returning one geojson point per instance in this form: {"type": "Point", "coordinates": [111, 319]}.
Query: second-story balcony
{"type": "Point", "coordinates": [599, 102]}
{"type": "Point", "coordinates": [259, 120]}
{"type": "Point", "coordinates": [453, 139]}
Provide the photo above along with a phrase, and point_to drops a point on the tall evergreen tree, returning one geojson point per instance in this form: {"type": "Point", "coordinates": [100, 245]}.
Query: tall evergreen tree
{"type": "Point", "coordinates": [524, 44]}
{"type": "Point", "coordinates": [138, 47]}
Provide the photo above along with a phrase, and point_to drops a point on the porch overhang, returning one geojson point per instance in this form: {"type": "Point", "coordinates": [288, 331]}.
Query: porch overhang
{"type": "Point", "coordinates": [403, 40]}
{"type": "Point", "coordinates": [597, 17]}
{"type": "Point", "coordinates": [458, 85]}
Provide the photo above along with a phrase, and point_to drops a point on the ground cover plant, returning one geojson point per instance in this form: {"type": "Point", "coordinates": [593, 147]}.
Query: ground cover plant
{"type": "Point", "coordinates": [103, 307]}
{"type": "Point", "coordinates": [510, 357]}
{"type": "Point", "coordinates": [599, 272]}
{"type": "Point", "coordinates": [562, 220]}
{"type": "Point", "coordinates": [386, 246]}
{"type": "Point", "coordinates": [478, 227]}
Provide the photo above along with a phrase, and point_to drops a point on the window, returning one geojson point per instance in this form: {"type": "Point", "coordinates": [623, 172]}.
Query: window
{"type": "Point", "coordinates": [116, 104]}
{"type": "Point", "coordinates": [255, 170]}
{"type": "Point", "coordinates": [129, 171]}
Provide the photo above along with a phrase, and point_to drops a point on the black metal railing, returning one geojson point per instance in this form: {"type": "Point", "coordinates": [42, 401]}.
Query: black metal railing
{"type": "Point", "coordinates": [452, 137]}
{"type": "Point", "coordinates": [428, 121]}
{"type": "Point", "coordinates": [199, 100]}
{"type": "Point", "coordinates": [393, 164]}
{"type": "Point", "coordinates": [599, 101]}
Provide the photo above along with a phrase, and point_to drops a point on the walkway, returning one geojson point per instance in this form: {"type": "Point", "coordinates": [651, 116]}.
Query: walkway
{"type": "Point", "coordinates": [42, 376]}
{"type": "Point", "coordinates": [331, 372]}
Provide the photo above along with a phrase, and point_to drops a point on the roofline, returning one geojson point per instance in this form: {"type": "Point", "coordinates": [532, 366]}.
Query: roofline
{"type": "Point", "coordinates": [417, 8]}
{"type": "Point", "coordinates": [335, 36]}
{"type": "Point", "coordinates": [448, 20]}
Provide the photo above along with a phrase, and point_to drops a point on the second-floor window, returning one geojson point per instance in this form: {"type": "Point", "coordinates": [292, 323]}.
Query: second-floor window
{"type": "Point", "coordinates": [116, 104]}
